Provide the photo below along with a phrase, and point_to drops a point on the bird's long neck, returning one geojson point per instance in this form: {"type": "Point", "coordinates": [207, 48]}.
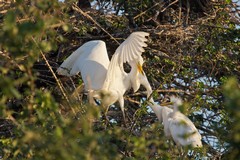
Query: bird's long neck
{"type": "Point", "coordinates": [133, 79]}
{"type": "Point", "coordinates": [165, 116]}
{"type": "Point", "coordinates": [153, 105]}
{"type": "Point", "coordinates": [146, 84]}
{"type": "Point", "coordinates": [127, 82]}
{"type": "Point", "coordinates": [138, 77]}
{"type": "Point", "coordinates": [175, 108]}
{"type": "Point", "coordinates": [156, 109]}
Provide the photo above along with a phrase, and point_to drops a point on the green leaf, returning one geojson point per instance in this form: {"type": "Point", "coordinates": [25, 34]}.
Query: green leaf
{"type": "Point", "coordinates": [228, 1]}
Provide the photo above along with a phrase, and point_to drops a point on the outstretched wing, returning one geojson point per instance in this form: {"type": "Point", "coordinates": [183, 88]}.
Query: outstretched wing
{"type": "Point", "coordinates": [91, 59]}
{"type": "Point", "coordinates": [130, 50]}
{"type": "Point", "coordinates": [132, 47]}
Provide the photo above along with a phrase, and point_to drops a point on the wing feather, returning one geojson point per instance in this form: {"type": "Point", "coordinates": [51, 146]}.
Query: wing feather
{"type": "Point", "coordinates": [130, 50]}
{"type": "Point", "coordinates": [137, 41]}
{"type": "Point", "coordinates": [182, 126]}
{"type": "Point", "coordinates": [91, 59]}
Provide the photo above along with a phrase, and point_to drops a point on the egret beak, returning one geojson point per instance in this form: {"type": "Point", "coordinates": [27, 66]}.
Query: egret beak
{"type": "Point", "coordinates": [140, 69]}
{"type": "Point", "coordinates": [166, 104]}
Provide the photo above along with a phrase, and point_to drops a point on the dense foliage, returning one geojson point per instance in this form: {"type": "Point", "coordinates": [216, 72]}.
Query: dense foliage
{"type": "Point", "coordinates": [193, 52]}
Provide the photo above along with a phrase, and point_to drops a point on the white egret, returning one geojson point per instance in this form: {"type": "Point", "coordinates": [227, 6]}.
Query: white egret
{"type": "Point", "coordinates": [176, 124]}
{"type": "Point", "coordinates": [162, 114]}
{"type": "Point", "coordinates": [160, 111]}
{"type": "Point", "coordinates": [181, 128]}
{"type": "Point", "coordinates": [102, 76]}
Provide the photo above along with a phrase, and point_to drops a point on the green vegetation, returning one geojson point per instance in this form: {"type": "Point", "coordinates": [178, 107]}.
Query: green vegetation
{"type": "Point", "coordinates": [193, 52]}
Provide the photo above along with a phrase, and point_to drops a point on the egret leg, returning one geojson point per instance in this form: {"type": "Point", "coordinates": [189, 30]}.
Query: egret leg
{"type": "Point", "coordinates": [121, 102]}
{"type": "Point", "coordinates": [105, 114]}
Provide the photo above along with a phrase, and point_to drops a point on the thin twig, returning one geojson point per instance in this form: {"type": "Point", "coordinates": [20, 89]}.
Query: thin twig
{"type": "Point", "coordinates": [76, 8]}
{"type": "Point", "coordinates": [169, 5]}
{"type": "Point", "coordinates": [144, 12]}
{"type": "Point", "coordinates": [132, 100]}
{"type": "Point", "coordinates": [12, 61]}
{"type": "Point", "coordinates": [55, 77]}
{"type": "Point", "coordinates": [188, 11]}
{"type": "Point", "coordinates": [160, 91]}
{"type": "Point", "coordinates": [180, 12]}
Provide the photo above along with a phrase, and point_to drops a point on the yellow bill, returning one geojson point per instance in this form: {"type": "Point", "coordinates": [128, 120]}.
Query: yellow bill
{"type": "Point", "coordinates": [140, 69]}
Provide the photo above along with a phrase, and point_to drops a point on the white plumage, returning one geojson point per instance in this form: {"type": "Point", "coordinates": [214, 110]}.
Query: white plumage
{"type": "Point", "coordinates": [181, 128]}
{"type": "Point", "coordinates": [103, 76]}
{"type": "Point", "coordinates": [160, 111]}
{"type": "Point", "coordinates": [177, 125]}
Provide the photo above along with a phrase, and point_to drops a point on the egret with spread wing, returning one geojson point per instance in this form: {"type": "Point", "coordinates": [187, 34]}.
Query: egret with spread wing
{"type": "Point", "coordinates": [108, 77]}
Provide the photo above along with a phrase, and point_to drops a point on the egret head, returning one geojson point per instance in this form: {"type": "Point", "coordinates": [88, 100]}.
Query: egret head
{"type": "Point", "coordinates": [142, 78]}
{"type": "Point", "coordinates": [176, 101]}
{"type": "Point", "coordinates": [138, 77]}
{"type": "Point", "coordinates": [196, 143]}
{"type": "Point", "coordinates": [136, 73]}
